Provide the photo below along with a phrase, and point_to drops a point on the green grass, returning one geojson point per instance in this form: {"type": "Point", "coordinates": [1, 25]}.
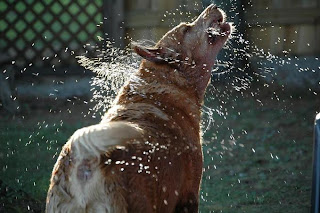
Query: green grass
{"type": "Point", "coordinates": [258, 161]}
{"type": "Point", "coordinates": [27, 158]}
{"type": "Point", "coordinates": [268, 169]}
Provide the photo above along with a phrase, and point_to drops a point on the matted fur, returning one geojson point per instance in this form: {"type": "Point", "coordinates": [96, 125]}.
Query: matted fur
{"type": "Point", "coordinates": [146, 155]}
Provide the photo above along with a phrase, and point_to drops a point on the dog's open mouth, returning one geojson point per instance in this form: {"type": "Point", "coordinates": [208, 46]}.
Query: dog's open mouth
{"type": "Point", "coordinates": [218, 29]}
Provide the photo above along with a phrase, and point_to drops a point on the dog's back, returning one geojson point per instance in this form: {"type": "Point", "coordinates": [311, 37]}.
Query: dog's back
{"type": "Point", "coordinates": [168, 159]}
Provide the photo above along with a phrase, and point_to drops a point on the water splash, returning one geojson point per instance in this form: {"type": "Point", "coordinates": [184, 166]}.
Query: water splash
{"type": "Point", "coordinates": [113, 67]}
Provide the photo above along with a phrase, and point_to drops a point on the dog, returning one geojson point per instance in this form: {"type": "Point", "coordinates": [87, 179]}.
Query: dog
{"type": "Point", "coordinates": [146, 155]}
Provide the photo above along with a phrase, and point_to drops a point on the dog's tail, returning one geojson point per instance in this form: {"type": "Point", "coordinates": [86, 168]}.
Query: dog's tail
{"type": "Point", "coordinates": [77, 182]}
{"type": "Point", "coordinates": [94, 140]}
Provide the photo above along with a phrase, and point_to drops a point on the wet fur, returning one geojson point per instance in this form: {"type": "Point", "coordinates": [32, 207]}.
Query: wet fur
{"type": "Point", "coordinates": [145, 155]}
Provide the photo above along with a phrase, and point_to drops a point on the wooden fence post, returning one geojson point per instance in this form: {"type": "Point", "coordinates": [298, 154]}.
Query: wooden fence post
{"type": "Point", "coordinates": [113, 21]}
{"type": "Point", "coordinates": [6, 100]}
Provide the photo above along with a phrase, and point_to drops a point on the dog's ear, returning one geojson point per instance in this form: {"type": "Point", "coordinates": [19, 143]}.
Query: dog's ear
{"type": "Point", "coordinates": [150, 53]}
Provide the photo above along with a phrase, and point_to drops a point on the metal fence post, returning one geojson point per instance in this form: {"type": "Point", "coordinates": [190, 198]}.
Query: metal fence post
{"type": "Point", "coordinates": [315, 195]}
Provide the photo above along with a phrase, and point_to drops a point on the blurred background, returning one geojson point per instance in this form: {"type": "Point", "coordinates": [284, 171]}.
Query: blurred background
{"type": "Point", "coordinates": [258, 115]}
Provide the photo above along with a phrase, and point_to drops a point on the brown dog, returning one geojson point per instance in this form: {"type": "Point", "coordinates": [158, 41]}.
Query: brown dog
{"type": "Point", "coordinates": [145, 155]}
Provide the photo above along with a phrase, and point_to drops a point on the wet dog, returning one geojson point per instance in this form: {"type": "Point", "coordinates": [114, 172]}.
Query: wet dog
{"type": "Point", "coordinates": [146, 155]}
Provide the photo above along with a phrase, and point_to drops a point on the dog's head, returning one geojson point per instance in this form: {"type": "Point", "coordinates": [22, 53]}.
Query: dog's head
{"type": "Point", "coordinates": [193, 44]}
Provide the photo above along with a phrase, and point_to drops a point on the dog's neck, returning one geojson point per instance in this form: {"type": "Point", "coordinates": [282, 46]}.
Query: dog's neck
{"type": "Point", "coordinates": [199, 76]}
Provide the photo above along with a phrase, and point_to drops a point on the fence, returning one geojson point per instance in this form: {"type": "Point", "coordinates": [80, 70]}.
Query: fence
{"type": "Point", "coordinates": [287, 26]}
{"type": "Point", "coordinates": [150, 19]}
{"type": "Point", "coordinates": [49, 31]}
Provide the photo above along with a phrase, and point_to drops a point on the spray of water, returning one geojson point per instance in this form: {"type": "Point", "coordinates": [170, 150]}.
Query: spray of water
{"type": "Point", "coordinates": [230, 83]}
{"type": "Point", "coordinates": [112, 67]}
